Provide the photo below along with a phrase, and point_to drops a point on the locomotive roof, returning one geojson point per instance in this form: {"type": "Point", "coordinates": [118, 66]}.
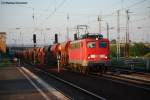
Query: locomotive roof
{"type": "Point", "coordinates": [91, 35]}
{"type": "Point", "coordinates": [88, 39]}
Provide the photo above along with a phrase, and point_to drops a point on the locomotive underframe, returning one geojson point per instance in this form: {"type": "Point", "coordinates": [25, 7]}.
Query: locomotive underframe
{"type": "Point", "coordinates": [86, 66]}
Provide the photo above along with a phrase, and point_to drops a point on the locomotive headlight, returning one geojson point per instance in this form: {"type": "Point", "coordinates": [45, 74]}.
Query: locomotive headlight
{"type": "Point", "coordinates": [106, 57]}
{"type": "Point", "coordinates": [93, 56]}
{"type": "Point", "coordinates": [89, 57]}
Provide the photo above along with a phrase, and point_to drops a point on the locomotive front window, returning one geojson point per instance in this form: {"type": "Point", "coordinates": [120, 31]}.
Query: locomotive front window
{"type": "Point", "coordinates": [103, 44]}
{"type": "Point", "coordinates": [91, 44]}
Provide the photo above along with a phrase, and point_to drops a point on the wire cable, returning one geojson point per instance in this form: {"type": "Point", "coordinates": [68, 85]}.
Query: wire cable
{"type": "Point", "coordinates": [63, 1]}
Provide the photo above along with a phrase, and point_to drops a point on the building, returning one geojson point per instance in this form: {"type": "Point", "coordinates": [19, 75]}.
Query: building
{"type": "Point", "coordinates": [2, 42]}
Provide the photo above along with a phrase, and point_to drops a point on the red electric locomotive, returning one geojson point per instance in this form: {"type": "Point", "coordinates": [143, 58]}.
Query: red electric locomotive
{"type": "Point", "coordinates": [90, 52]}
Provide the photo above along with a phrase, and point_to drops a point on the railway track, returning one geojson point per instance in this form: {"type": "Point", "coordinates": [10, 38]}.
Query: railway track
{"type": "Point", "coordinates": [129, 80]}
{"type": "Point", "coordinates": [141, 77]}
{"type": "Point", "coordinates": [125, 79]}
{"type": "Point", "coordinates": [137, 79]}
{"type": "Point", "coordinates": [102, 87]}
{"type": "Point", "coordinates": [73, 85]}
{"type": "Point", "coordinates": [128, 76]}
{"type": "Point", "coordinates": [125, 70]}
{"type": "Point", "coordinates": [87, 95]}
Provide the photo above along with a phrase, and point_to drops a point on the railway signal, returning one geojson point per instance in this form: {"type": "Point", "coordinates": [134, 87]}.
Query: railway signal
{"type": "Point", "coordinates": [34, 41]}
{"type": "Point", "coordinates": [56, 38]}
{"type": "Point", "coordinates": [34, 38]}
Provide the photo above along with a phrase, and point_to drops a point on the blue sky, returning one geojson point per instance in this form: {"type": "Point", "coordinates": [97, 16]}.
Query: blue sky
{"type": "Point", "coordinates": [50, 17]}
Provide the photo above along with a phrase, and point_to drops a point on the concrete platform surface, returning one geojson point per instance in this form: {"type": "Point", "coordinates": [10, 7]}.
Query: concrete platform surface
{"type": "Point", "coordinates": [17, 83]}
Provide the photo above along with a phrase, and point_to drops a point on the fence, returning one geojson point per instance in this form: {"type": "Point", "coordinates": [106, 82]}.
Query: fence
{"type": "Point", "coordinates": [139, 63]}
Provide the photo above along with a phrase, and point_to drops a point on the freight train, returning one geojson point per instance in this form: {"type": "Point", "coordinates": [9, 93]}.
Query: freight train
{"type": "Point", "coordinates": [89, 53]}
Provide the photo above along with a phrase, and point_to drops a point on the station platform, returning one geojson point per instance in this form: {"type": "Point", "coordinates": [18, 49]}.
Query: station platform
{"type": "Point", "coordinates": [18, 83]}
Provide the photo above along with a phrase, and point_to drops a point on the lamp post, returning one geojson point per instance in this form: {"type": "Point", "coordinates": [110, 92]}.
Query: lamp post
{"type": "Point", "coordinates": [127, 45]}
{"type": "Point", "coordinates": [99, 20]}
{"type": "Point", "coordinates": [107, 27]}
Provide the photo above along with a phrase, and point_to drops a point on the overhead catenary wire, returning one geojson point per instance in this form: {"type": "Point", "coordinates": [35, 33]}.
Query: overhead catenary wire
{"type": "Point", "coordinates": [130, 6]}
{"type": "Point", "coordinates": [53, 12]}
{"type": "Point", "coordinates": [106, 16]}
{"type": "Point", "coordinates": [135, 4]}
{"type": "Point", "coordinates": [76, 15]}
{"type": "Point", "coordinates": [141, 19]}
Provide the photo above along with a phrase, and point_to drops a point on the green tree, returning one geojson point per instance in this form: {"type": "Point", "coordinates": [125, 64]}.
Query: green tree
{"type": "Point", "coordinates": [113, 50]}
{"type": "Point", "coordinates": [139, 49]}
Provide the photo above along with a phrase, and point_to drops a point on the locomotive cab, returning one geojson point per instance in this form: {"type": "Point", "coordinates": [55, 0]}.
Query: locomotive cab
{"type": "Point", "coordinates": [91, 51]}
